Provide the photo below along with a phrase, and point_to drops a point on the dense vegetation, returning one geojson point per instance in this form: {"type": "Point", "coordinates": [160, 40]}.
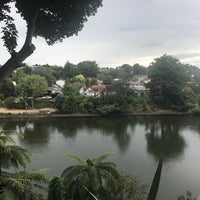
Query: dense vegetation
{"type": "Point", "coordinates": [171, 85]}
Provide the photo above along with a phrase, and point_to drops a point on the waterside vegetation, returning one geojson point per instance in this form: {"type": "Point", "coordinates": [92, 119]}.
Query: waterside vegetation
{"type": "Point", "coordinates": [85, 88]}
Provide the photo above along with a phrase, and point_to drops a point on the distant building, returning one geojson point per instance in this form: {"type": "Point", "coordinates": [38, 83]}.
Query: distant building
{"type": "Point", "coordinates": [56, 88]}
{"type": "Point", "coordinates": [138, 84]}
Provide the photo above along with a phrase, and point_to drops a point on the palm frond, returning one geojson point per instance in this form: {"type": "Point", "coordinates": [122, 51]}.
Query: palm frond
{"type": "Point", "coordinates": [102, 157]}
{"type": "Point", "coordinates": [73, 171]}
{"type": "Point", "coordinates": [109, 167]}
{"type": "Point", "coordinates": [39, 176]}
{"type": "Point", "coordinates": [14, 184]}
{"type": "Point", "coordinates": [7, 195]}
{"type": "Point", "coordinates": [95, 179]}
{"type": "Point", "coordinates": [3, 149]}
{"type": "Point", "coordinates": [75, 158]}
{"type": "Point", "coordinates": [6, 139]}
{"type": "Point", "coordinates": [21, 155]}
{"type": "Point", "coordinates": [109, 182]}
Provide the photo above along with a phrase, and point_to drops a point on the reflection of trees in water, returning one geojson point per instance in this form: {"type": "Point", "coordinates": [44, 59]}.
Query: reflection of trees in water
{"type": "Point", "coordinates": [163, 137]}
{"type": "Point", "coordinates": [194, 123]}
{"type": "Point", "coordinates": [68, 127]}
{"type": "Point", "coordinates": [34, 131]}
{"type": "Point", "coordinates": [37, 131]}
{"type": "Point", "coordinates": [116, 127]}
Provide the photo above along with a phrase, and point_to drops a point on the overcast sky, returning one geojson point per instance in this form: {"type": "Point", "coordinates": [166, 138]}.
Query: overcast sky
{"type": "Point", "coordinates": [126, 31]}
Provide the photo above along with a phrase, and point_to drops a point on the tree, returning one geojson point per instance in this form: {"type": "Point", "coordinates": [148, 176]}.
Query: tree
{"type": "Point", "coordinates": [56, 189]}
{"type": "Point", "coordinates": [18, 185]}
{"type": "Point", "coordinates": [168, 79]}
{"type": "Point", "coordinates": [7, 89]}
{"type": "Point", "coordinates": [139, 70]}
{"type": "Point", "coordinates": [51, 19]}
{"type": "Point", "coordinates": [70, 70]}
{"type": "Point", "coordinates": [88, 68]}
{"type": "Point", "coordinates": [92, 175]}
{"type": "Point", "coordinates": [45, 72]}
{"type": "Point", "coordinates": [32, 86]}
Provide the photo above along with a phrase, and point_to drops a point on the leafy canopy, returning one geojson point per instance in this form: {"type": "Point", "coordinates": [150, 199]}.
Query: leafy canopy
{"type": "Point", "coordinates": [53, 20]}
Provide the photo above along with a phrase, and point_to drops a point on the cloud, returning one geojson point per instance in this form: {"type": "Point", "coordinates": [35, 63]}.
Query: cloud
{"type": "Point", "coordinates": [127, 31]}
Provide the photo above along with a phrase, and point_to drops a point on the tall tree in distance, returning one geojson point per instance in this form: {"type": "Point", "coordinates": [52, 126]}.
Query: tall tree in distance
{"type": "Point", "coordinates": [168, 79]}
{"type": "Point", "coordinates": [88, 68]}
{"type": "Point", "coordinates": [51, 19]}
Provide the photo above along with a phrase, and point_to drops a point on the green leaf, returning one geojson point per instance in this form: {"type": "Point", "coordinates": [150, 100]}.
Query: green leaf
{"type": "Point", "coordinates": [7, 195]}
{"type": "Point", "coordinates": [98, 159]}
{"type": "Point", "coordinates": [75, 158]}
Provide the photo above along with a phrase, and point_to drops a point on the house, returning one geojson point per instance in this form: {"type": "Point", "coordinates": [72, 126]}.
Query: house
{"type": "Point", "coordinates": [137, 87]}
{"type": "Point", "coordinates": [98, 88]}
{"type": "Point", "coordinates": [141, 78]}
{"type": "Point", "coordinates": [90, 92]}
{"type": "Point", "coordinates": [56, 88]}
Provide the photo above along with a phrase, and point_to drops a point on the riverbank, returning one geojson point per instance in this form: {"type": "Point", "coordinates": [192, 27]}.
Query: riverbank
{"type": "Point", "coordinates": [51, 112]}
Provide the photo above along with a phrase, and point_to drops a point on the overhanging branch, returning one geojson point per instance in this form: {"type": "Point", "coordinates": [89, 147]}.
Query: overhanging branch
{"type": "Point", "coordinates": [27, 49]}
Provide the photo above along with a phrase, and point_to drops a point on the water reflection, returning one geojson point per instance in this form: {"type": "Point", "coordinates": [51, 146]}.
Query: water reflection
{"type": "Point", "coordinates": [119, 128]}
{"type": "Point", "coordinates": [163, 137]}
{"type": "Point", "coordinates": [39, 131]}
{"type": "Point", "coordinates": [162, 133]}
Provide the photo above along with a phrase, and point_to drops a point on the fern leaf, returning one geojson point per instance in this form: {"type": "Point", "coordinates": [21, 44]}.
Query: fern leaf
{"type": "Point", "coordinates": [98, 159]}
{"type": "Point", "coordinates": [75, 158]}
{"type": "Point", "coordinates": [7, 195]}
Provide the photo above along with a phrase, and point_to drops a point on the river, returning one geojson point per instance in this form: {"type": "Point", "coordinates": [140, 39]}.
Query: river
{"type": "Point", "coordinates": [136, 141]}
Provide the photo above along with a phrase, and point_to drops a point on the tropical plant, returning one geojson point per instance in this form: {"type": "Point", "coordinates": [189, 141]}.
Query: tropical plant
{"type": "Point", "coordinates": [18, 185]}
{"type": "Point", "coordinates": [95, 176]}
{"type": "Point", "coordinates": [129, 188]}
{"type": "Point", "coordinates": [56, 189]}
{"type": "Point", "coordinates": [187, 196]}
{"type": "Point", "coordinates": [12, 155]}
{"type": "Point", "coordinates": [23, 185]}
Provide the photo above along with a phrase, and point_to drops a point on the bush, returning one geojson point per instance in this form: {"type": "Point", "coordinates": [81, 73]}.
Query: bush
{"type": "Point", "coordinates": [10, 103]}
{"type": "Point", "coordinates": [188, 196]}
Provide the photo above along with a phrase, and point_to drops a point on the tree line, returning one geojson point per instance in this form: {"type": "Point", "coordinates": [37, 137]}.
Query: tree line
{"type": "Point", "coordinates": [172, 85]}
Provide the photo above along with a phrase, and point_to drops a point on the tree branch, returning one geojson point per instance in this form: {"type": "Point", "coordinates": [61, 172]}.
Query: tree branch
{"type": "Point", "coordinates": [27, 49]}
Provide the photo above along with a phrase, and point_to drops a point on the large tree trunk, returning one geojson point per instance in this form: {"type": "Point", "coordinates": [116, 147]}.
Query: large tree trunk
{"type": "Point", "coordinates": [16, 61]}
{"type": "Point", "coordinates": [27, 49]}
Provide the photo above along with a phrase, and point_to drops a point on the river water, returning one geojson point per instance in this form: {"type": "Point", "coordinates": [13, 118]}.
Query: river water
{"type": "Point", "coordinates": [136, 141]}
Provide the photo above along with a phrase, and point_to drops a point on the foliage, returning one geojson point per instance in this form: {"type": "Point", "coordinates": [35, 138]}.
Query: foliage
{"type": "Point", "coordinates": [18, 185]}
{"type": "Point", "coordinates": [168, 79]}
{"type": "Point", "coordinates": [108, 109]}
{"type": "Point", "coordinates": [46, 72]}
{"type": "Point", "coordinates": [31, 86]}
{"type": "Point", "coordinates": [7, 88]}
{"type": "Point", "coordinates": [10, 102]}
{"type": "Point", "coordinates": [98, 177]}
{"type": "Point", "coordinates": [107, 80]}
{"type": "Point", "coordinates": [188, 196]}
{"type": "Point", "coordinates": [56, 189]}
{"type": "Point", "coordinates": [88, 68]}
{"type": "Point", "coordinates": [53, 20]}
{"type": "Point", "coordinates": [80, 78]}
{"type": "Point", "coordinates": [70, 70]}
{"type": "Point", "coordinates": [129, 188]}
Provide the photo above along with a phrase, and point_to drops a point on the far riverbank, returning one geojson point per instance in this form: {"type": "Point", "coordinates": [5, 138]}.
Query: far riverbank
{"type": "Point", "coordinates": [51, 112]}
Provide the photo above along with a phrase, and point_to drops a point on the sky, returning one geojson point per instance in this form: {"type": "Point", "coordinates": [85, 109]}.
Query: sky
{"type": "Point", "coordinates": [125, 32]}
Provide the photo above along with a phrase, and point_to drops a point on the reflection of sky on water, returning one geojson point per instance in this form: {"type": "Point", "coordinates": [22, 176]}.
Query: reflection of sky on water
{"type": "Point", "coordinates": [136, 141]}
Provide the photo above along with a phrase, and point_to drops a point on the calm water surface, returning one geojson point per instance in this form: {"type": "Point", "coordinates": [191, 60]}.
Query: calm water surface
{"type": "Point", "coordinates": [136, 141]}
